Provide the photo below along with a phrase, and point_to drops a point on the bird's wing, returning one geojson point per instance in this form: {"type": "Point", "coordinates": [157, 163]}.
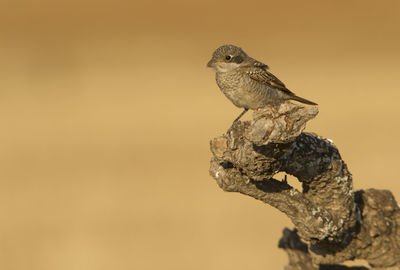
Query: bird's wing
{"type": "Point", "coordinates": [258, 72]}
{"type": "Point", "coordinates": [256, 63]}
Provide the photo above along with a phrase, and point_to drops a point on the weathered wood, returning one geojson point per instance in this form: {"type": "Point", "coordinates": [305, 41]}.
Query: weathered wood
{"type": "Point", "coordinates": [335, 223]}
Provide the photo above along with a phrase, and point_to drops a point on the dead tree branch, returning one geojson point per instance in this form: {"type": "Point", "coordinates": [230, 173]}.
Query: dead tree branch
{"type": "Point", "coordinates": [333, 223]}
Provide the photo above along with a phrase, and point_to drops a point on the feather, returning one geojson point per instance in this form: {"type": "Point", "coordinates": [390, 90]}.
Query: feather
{"type": "Point", "coordinates": [258, 71]}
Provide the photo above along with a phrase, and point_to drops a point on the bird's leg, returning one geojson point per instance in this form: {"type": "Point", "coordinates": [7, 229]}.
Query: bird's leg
{"type": "Point", "coordinates": [284, 180]}
{"type": "Point", "coordinates": [237, 119]}
{"type": "Point", "coordinates": [240, 115]}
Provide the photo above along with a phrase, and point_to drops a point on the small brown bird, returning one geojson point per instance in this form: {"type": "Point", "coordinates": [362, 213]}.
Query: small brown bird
{"type": "Point", "coordinates": [246, 82]}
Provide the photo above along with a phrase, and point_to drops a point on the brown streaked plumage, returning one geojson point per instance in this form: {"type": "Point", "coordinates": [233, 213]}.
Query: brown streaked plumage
{"type": "Point", "coordinates": [246, 82]}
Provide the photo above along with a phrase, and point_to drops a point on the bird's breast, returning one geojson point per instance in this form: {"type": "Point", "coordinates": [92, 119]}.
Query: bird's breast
{"type": "Point", "coordinates": [242, 90]}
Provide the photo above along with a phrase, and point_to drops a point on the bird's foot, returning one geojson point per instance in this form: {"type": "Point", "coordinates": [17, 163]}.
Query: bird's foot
{"type": "Point", "coordinates": [230, 128]}
{"type": "Point", "coordinates": [234, 124]}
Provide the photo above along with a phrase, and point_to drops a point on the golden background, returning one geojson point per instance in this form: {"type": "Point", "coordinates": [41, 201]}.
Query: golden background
{"type": "Point", "coordinates": [107, 110]}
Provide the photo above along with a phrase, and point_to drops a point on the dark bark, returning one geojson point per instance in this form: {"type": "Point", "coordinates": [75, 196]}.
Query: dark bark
{"type": "Point", "coordinates": [333, 222]}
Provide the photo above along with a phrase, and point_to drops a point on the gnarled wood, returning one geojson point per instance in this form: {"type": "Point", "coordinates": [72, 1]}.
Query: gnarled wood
{"type": "Point", "coordinates": [337, 223]}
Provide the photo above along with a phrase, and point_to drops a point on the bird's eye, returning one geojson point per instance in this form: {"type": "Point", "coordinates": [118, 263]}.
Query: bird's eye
{"type": "Point", "coordinates": [228, 57]}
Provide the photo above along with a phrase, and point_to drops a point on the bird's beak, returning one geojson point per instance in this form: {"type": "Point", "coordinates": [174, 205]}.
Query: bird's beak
{"type": "Point", "coordinates": [211, 63]}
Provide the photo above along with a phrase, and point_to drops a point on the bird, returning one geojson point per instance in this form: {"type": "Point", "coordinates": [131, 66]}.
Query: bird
{"type": "Point", "coordinates": [246, 82]}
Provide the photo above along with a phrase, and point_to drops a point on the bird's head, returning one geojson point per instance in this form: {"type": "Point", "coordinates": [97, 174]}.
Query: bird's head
{"type": "Point", "coordinates": [226, 58]}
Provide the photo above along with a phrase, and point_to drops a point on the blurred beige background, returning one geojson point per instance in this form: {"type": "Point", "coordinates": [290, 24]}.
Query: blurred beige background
{"type": "Point", "coordinates": [107, 109]}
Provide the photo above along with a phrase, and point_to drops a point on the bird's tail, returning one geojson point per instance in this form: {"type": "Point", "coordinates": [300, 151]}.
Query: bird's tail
{"type": "Point", "coordinates": [302, 100]}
